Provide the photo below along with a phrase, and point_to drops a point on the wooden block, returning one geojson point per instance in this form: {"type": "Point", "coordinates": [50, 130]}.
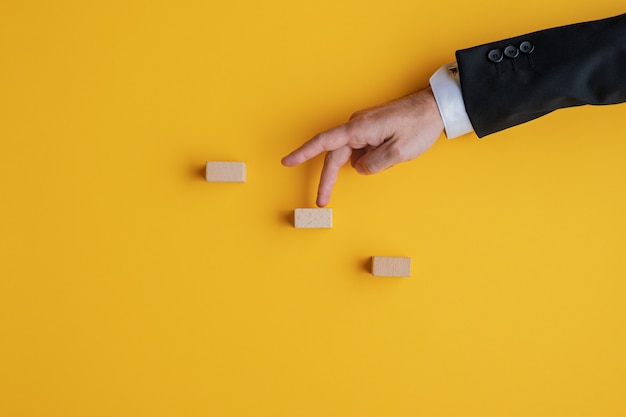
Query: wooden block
{"type": "Point", "coordinates": [391, 266]}
{"type": "Point", "coordinates": [313, 218]}
{"type": "Point", "coordinates": [226, 171]}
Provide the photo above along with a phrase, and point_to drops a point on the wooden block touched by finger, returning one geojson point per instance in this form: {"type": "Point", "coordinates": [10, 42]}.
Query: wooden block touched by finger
{"type": "Point", "coordinates": [391, 266]}
{"type": "Point", "coordinates": [313, 218]}
{"type": "Point", "coordinates": [225, 171]}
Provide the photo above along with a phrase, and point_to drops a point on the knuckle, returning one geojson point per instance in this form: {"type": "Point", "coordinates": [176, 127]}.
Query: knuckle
{"type": "Point", "coordinates": [355, 126]}
{"type": "Point", "coordinates": [365, 116]}
{"type": "Point", "coordinates": [319, 137]}
{"type": "Point", "coordinates": [355, 115]}
{"type": "Point", "coordinates": [351, 128]}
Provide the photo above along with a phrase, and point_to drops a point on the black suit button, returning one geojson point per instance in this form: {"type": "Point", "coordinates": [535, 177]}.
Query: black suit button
{"type": "Point", "coordinates": [495, 55]}
{"type": "Point", "coordinates": [511, 51]}
{"type": "Point", "coordinates": [526, 47]}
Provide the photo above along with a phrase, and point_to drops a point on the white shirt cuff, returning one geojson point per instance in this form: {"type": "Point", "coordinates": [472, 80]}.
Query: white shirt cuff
{"type": "Point", "coordinates": [446, 88]}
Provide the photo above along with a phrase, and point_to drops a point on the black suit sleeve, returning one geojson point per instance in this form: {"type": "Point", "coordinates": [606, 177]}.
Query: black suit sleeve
{"type": "Point", "coordinates": [513, 81]}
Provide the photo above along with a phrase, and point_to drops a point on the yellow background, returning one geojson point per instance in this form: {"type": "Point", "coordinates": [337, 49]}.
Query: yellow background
{"type": "Point", "coordinates": [131, 287]}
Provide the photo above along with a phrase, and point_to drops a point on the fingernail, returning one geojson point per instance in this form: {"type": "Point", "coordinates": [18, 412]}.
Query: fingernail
{"type": "Point", "coordinates": [360, 168]}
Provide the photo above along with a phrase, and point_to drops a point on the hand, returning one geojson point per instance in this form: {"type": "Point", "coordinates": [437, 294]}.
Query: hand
{"type": "Point", "coordinates": [374, 139]}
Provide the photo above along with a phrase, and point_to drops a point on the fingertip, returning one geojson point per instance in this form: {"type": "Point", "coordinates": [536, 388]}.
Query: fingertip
{"type": "Point", "coordinates": [323, 196]}
{"type": "Point", "coordinates": [323, 193]}
{"type": "Point", "coordinates": [289, 160]}
{"type": "Point", "coordinates": [361, 168]}
{"type": "Point", "coordinates": [358, 166]}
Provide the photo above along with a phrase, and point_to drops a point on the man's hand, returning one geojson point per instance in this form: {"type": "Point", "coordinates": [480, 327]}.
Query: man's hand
{"type": "Point", "coordinates": [374, 139]}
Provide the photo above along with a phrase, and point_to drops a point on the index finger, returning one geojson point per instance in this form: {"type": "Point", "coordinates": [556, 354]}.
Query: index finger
{"type": "Point", "coordinates": [322, 142]}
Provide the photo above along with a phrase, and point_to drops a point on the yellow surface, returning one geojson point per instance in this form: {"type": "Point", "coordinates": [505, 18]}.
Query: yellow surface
{"type": "Point", "coordinates": [131, 287]}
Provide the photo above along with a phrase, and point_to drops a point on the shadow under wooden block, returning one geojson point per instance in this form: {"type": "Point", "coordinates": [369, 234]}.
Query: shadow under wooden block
{"type": "Point", "coordinates": [287, 217]}
{"type": "Point", "coordinates": [313, 218]}
{"type": "Point", "coordinates": [366, 265]}
{"type": "Point", "coordinates": [391, 266]}
{"type": "Point", "coordinates": [225, 171]}
{"type": "Point", "coordinates": [198, 172]}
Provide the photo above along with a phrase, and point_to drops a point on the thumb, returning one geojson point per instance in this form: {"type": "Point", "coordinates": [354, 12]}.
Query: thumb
{"type": "Point", "coordinates": [380, 158]}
